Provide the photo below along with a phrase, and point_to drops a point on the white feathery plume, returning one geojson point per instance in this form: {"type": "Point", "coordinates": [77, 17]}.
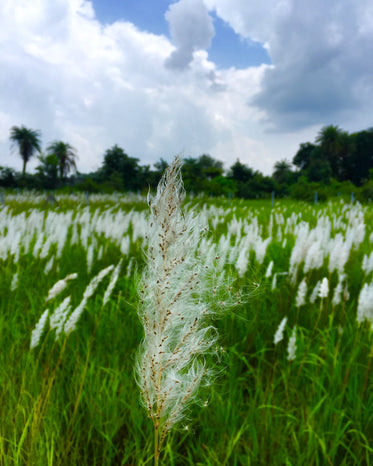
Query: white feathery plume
{"type": "Point", "coordinates": [260, 247]}
{"type": "Point", "coordinates": [314, 257]}
{"type": "Point", "coordinates": [324, 288]}
{"type": "Point", "coordinates": [315, 292]}
{"type": "Point", "coordinates": [71, 322]}
{"type": "Point", "coordinates": [171, 366]}
{"type": "Point", "coordinates": [46, 247]}
{"type": "Point", "coordinates": [14, 284]}
{"type": "Point", "coordinates": [49, 265]}
{"type": "Point", "coordinates": [58, 287]}
{"type": "Point", "coordinates": [300, 299]}
{"type": "Point", "coordinates": [365, 304]}
{"type": "Point", "coordinates": [242, 261]}
{"type": "Point", "coordinates": [292, 346]}
{"type": "Point", "coordinates": [58, 318]}
{"type": "Point", "coordinates": [274, 281]}
{"type": "Point", "coordinates": [125, 245]}
{"type": "Point", "coordinates": [270, 225]}
{"type": "Point", "coordinates": [129, 268]}
{"type": "Point", "coordinates": [113, 281]}
{"type": "Point", "coordinates": [38, 330]}
{"type": "Point", "coordinates": [269, 270]}
{"type": "Point", "coordinates": [90, 252]}
{"type": "Point", "coordinates": [279, 234]}
{"type": "Point", "coordinates": [93, 284]}
{"type": "Point", "coordinates": [37, 246]}
{"type": "Point", "coordinates": [368, 263]}
{"type": "Point", "coordinates": [279, 335]}
{"type": "Point", "coordinates": [337, 294]}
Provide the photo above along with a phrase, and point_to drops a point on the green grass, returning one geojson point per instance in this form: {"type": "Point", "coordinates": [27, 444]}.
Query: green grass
{"type": "Point", "coordinates": [75, 401]}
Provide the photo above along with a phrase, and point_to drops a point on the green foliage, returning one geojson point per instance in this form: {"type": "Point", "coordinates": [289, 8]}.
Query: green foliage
{"type": "Point", "coordinates": [27, 141]}
{"type": "Point", "coordinates": [8, 177]}
{"type": "Point", "coordinates": [250, 184]}
{"type": "Point", "coordinates": [365, 193]}
{"type": "Point", "coordinates": [200, 175]}
{"type": "Point", "coordinates": [76, 403]}
{"type": "Point", "coordinates": [65, 154]}
{"type": "Point", "coordinates": [88, 184]}
{"type": "Point", "coordinates": [120, 171]}
{"type": "Point", "coordinates": [335, 162]}
{"type": "Point", "coordinates": [338, 155]}
{"type": "Point", "coordinates": [47, 171]}
{"type": "Point", "coordinates": [283, 173]}
{"type": "Point", "coordinates": [302, 158]}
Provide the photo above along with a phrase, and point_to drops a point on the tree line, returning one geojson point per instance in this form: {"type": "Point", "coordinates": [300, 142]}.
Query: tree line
{"type": "Point", "coordinates": [336, 162]}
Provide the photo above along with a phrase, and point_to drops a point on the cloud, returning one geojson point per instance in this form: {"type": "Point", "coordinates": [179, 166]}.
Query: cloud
{"type": "Point", "coordinates": [321, 65]}
{"type": "Point", "coordinates": [94, 85]}
{"type": "Point", "coordinates": [191, 29]}
{"type": "Point", "coordinates": [320, 52]}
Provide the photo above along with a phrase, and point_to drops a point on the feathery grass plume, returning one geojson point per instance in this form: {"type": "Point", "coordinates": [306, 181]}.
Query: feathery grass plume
{"type": "Point", "coordinates": [324, 288]}
{"type": "Point", "coordinates": [58, 318]}
{"type": "Point", "coordinates": [269, 270]}
{"type": "Point", "coordinates": [315, 292]}
{"type": "Point", "coordinates": [71, 322]}
{"type": "Point", "coordinates": [300, 299]}
{"type": "Point", "coordinates": [365, 304]}
{"type": "Point", "coordinates": [279, 335]}
{"type": "Point", "coordinates": [14, 284]}
{"type": "Point", "coordinates": [170, 365]}
{"type": "Point", "coordinates": [58, 287]}
{"type": "Point", "coordinates": [90, 252]}
{"type": "Point", "coordinates": [337, 293]}
{"type": "Point", "coordinates": [112, 283]}
{"type": "Point", "coordinates": [274, 281]}
{"type": "Point", "coordinates": [38, 330]}
{"type": "Point", "coordinates": [292, 345]}
{"type": "Point", "coordinates": [49, 265]}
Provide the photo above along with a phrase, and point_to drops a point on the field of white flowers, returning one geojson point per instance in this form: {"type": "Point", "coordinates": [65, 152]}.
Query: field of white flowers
{"type": "Point", "coordinates": [295, 383]}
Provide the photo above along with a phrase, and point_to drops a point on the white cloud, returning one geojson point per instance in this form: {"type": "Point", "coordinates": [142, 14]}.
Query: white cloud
{"type": "Point", "coordinates": [320, 52]}
{"type": "Point", "coordinates": [95, 85]}
{"type": "Point", "coordinates": [191, 29]}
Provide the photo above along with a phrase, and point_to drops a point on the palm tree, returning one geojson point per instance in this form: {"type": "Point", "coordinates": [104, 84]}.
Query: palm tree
{"type": "Point", "coordinates": [66, 155]}
{"type": "Point", "coordinates": [28, 142]}
{"type": "Point", "coordinates": [282, 171]}
{"type": "Point", "coordinates": [333, 142]}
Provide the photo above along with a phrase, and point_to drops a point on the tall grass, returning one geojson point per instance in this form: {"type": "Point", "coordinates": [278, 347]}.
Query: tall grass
{"type": "Point", "coordinates": [75, 401]}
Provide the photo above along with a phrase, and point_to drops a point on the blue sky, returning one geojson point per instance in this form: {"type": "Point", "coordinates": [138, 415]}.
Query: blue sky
{"type": "Point", "coordinates": [236, 79]}
{"type": "Point", "coordinates": [146, 14]}
{"type": "Point", "coordinates": [227, 48]}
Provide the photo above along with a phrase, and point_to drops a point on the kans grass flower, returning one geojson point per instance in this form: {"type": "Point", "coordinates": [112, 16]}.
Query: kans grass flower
{"type": "Point", "coordinates": [279, 335]}
{"type": "Point", "coordinates": [324, 288]}
{"type": "Point", "coordinates": [300, 299]}
{"type": "Point", "coordinates": [60, 286]}
{"type": "Point", "coordinates": [292, 346]}
{"type": "Point", "coordinates": [171, 364]}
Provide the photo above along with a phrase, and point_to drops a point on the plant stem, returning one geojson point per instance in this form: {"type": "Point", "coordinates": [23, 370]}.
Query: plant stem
{"type": "Point", "coordinates": [367, 373]}
{"type": "Point", "coordinates": [156, 443]}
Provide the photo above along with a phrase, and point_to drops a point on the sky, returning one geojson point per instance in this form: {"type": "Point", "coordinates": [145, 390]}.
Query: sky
{"type": "Point", "coordinates": [236, 79]}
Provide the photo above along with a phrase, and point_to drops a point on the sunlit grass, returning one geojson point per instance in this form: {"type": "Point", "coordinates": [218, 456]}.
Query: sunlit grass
{"type": "Point", "coordinates": [75, 401]}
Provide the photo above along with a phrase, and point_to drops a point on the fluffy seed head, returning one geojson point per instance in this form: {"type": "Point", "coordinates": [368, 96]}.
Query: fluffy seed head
{"type": "Point", "coordinates": [171, 364]}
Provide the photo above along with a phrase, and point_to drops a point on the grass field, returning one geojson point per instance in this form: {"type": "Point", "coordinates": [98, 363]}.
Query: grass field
{"type": "Point", "coordinates": [73, 400]}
